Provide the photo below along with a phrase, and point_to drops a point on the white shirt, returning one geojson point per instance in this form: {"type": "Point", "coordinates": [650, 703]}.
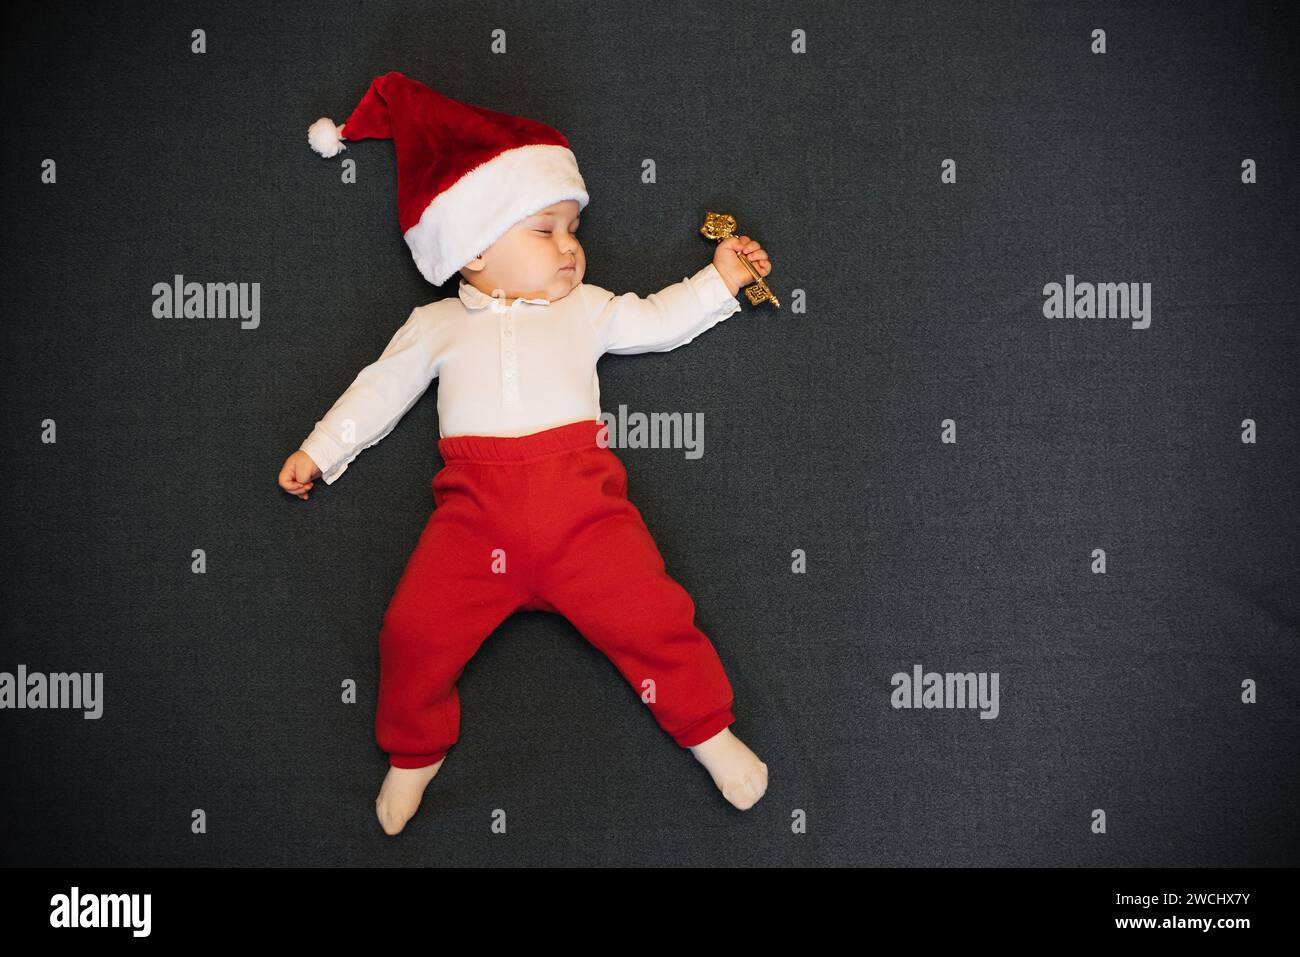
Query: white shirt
{"type": "Point", "coordinates": [514, 369]}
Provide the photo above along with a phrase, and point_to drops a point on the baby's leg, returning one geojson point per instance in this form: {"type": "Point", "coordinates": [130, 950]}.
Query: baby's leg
{"type": "Point", "coordinates": [451, 596]}
{"type": "Point", "coordinates": [607, 576]}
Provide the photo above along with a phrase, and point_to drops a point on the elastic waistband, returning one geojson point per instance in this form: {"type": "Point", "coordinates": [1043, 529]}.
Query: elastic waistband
{"type": "Point", "coordinates": [499, 448]}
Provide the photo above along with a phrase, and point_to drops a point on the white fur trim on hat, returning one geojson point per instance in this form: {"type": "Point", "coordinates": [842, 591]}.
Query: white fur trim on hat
{"type": "Point", "coordinates": [324, 137]}
{"type": "Point", "coordinates": [480, 207]}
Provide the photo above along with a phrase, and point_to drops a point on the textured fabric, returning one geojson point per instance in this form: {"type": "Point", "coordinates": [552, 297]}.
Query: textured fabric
{"type": "Point", "coordinates": [510, 370]}
{"type": "Point", "coordinates": [539, 522]}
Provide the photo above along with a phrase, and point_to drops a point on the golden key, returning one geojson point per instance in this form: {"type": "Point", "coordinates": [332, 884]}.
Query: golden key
{"type": "Point", "coordinates": [719, 226]}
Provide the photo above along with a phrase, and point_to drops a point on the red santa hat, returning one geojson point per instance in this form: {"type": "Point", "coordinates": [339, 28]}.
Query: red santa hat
{"type": "Point", "coordinates": [465, 174]}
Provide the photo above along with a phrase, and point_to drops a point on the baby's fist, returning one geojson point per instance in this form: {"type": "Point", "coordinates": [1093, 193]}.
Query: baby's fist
{"type": "Point", "coordinates": [298, 474]}
{"type": "Point", "coordinates": [733, 271]}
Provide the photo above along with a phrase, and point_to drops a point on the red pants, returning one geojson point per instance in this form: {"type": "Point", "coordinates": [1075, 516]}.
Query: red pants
{"type": "Point", "coordinates": [540, 522]}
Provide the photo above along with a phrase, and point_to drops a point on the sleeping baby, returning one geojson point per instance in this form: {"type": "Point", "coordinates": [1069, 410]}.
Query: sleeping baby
{"type": "Point", "coordinates": [531, 511]}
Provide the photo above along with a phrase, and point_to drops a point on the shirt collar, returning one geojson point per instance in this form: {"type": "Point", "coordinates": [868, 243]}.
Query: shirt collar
{"type": "Point", "coordinates": [475, 298]}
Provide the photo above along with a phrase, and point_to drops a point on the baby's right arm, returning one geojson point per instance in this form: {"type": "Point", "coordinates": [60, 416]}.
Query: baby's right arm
{"type": "Point", "coordinates": [377, 399]}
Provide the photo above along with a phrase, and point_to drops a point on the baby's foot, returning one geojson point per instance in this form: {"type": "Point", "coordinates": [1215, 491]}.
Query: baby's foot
{"type": "Point", "coordinates": [736, 770]}
{"type": "Point", "coordinates": [399, 797]}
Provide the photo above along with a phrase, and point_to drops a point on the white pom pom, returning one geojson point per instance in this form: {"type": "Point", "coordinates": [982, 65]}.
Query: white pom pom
{"type": "Point", "coordinates": [324, 137]}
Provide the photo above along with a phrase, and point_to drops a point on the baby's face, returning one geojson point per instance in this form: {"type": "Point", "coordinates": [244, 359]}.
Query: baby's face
{"type": "Point", "coordinates": [538, 258]}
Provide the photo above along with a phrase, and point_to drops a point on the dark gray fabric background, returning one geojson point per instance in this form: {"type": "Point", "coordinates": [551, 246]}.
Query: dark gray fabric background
{"type": "Point", "coordinates": [1118, 692]}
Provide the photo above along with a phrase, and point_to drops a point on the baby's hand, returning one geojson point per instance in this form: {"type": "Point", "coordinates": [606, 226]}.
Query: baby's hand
{"type": "Point", "coordinates": [298, 474]}
{"type": "Point", "coordinates": [734, 273]}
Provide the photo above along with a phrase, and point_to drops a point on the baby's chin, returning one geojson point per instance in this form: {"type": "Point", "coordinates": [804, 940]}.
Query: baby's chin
{"type": "Point", "coordinates": [567, 282]}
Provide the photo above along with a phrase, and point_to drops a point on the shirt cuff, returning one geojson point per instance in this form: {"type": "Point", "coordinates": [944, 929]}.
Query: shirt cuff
{"type": "Point", "coordinates": [712, 288]}
{"type": "Point", "coordinates": [326, 453]}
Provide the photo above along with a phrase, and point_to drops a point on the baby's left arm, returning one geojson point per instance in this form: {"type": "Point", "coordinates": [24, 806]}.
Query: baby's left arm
{"type": "Point", "coordinates": [664, 320]}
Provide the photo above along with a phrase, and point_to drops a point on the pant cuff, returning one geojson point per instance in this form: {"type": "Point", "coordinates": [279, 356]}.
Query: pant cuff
{"type": "Point", "coordinates": [700, 731]}
{"type": "Point", "coordinates": [416, 760]}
